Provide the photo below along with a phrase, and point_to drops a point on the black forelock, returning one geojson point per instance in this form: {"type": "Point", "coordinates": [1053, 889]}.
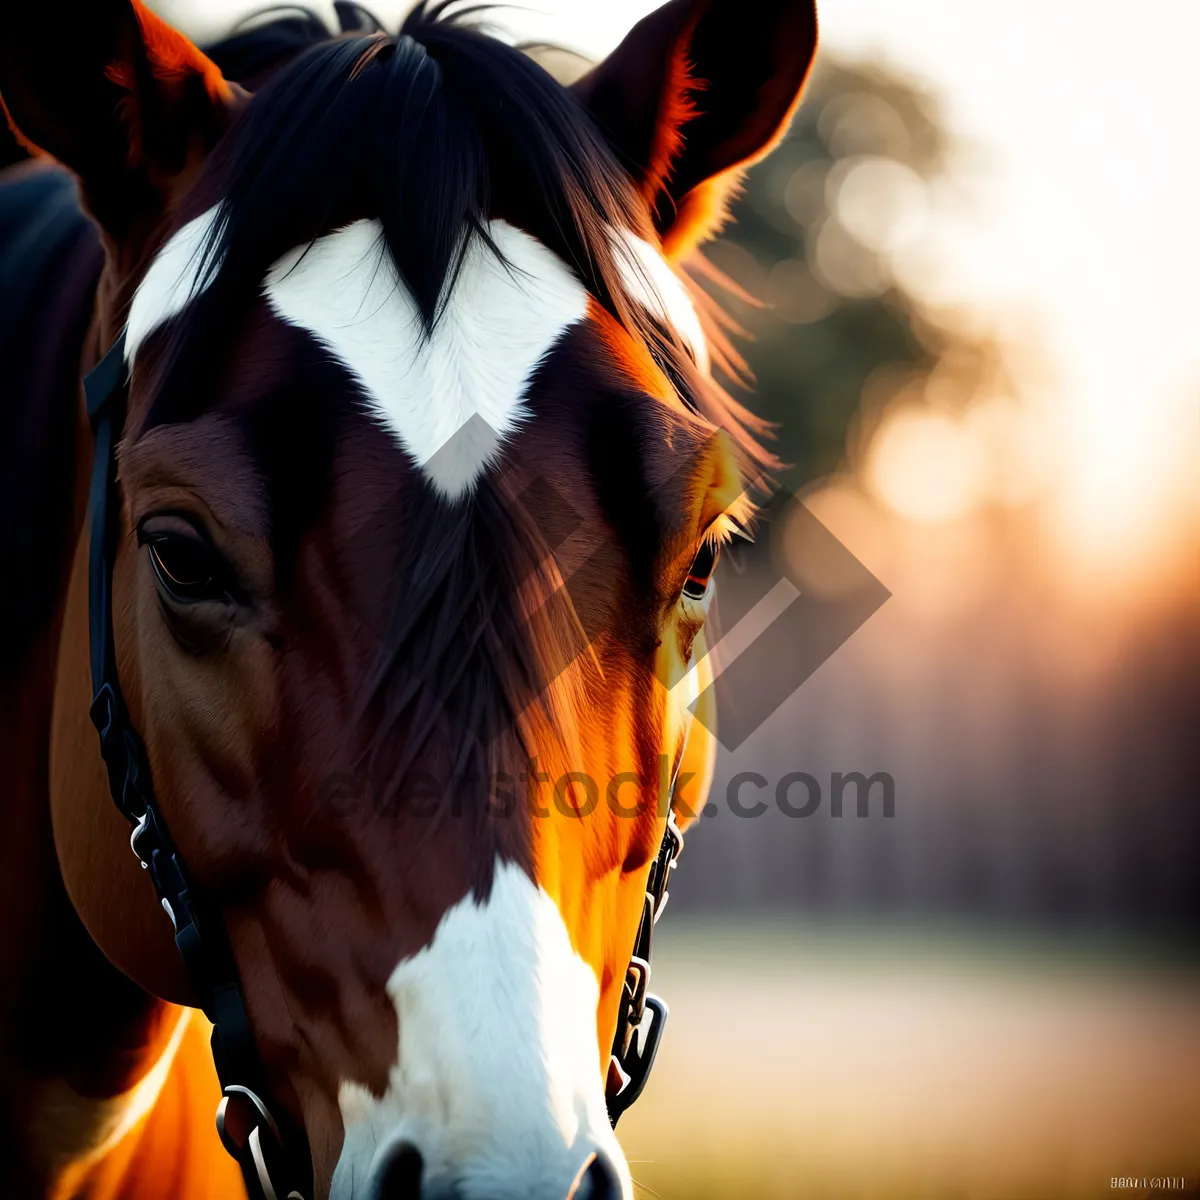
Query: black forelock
{"type": "Point", "coordinates": [433, 132]}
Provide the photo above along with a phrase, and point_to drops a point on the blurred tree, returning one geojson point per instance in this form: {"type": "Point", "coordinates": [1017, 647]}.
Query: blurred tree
{"type": "Point", "coordinates": [809, 241]}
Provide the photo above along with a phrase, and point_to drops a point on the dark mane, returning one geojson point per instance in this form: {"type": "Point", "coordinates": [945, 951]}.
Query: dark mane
{"type": "Point", "coordinates": [433, 132]}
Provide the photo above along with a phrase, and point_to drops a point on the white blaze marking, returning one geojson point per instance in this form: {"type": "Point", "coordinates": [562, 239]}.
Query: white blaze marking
{"type": "Point", "coordinates": [498, 325]}
{"type": "Point", "coordinates": [449, 399]}
{"type": "Point", "coordinates": [467, 379]}
{"type": "Point", "coordinates": [171, 283]}
{"type": "Point", "coordinates": [497, 1080]}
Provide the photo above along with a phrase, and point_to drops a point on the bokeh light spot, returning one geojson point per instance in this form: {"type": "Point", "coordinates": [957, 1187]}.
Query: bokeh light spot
{"type": "Point", "coordinates": [804, 192]}
{"type": "Point", "coordinates": [861, 123]}
{"type": "Point", "coordinates": [925, 465]}
{"type": "Point", "coordinates": [844, 264]}
{"type": "Point", "coordinates": [880, 201]}
{"type": "Point", "coordinates": [796, 295]}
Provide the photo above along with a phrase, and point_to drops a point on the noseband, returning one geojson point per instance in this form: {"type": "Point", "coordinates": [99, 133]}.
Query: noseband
{"type": "Point", "coordinates": [269, 1147]}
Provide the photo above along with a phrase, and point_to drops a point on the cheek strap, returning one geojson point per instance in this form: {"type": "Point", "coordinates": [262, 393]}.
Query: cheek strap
{"type": "Point", "coordinates": [275, 1164]}
{"type": "Point", "coordinates": [636, 1043]}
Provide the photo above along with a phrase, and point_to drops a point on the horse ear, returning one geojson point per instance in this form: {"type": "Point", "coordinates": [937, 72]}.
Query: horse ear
{"type": "Point", "coordinates": [696, 91]}
{"type": "Point", "coordinates": [114, 93]}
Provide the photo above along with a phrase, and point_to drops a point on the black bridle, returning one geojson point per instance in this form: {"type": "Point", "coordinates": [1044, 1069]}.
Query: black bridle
{"type": "Point", "coordinates": [635, 1046]}
{"type": "Point", "coordinates": [270, 1148]}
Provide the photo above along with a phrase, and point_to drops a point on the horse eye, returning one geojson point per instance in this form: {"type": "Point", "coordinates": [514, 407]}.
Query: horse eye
{"type": "Point", "coordinates": [187, 569]}
{"type": "Point", "coordinates": [699, 578]}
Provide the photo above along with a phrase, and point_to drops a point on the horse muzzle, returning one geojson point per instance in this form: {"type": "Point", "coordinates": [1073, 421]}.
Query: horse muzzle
{"type": "Point", "coordinates": [400, 1170]}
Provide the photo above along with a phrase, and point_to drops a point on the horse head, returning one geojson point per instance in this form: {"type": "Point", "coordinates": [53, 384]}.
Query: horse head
{"type": "Point", "coordinates": [421, 483]}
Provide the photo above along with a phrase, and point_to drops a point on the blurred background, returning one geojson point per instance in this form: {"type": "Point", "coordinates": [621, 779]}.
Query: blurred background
{"type": "Point", "coordinates": [975, 269]}
{"type": "Point", "coordinates": [979, 333]}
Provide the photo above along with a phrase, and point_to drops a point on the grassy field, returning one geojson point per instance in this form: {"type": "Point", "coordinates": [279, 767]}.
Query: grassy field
{"type": "Point", "coordinates": [901, 1062]}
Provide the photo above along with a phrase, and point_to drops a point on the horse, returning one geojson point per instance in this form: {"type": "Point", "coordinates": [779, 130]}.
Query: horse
{"type": "Point", "coordinates": [365, 471]}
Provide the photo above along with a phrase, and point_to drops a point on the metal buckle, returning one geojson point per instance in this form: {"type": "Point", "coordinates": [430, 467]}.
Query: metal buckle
{"type": "Point", "coordinates": [139, 831]}
{"type": "Point", "coordinates": [633, 1001]}
{"type": "Point", "coordinates": [640, 1014]}
{"type": "Point", "coordinates": [240, 1127]}
{"type": "Point", "coordinates": [634, 1070]}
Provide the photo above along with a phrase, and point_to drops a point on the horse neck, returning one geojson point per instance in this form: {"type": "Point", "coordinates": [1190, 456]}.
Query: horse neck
{"type": "Point", "coordinates": [74, 1033]}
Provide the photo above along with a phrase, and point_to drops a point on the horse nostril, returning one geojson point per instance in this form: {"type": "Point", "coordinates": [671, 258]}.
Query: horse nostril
{"type": "Point", "coordinates": [597, 1180]}
{"type": "Point", "coordinates": [398, 1176]}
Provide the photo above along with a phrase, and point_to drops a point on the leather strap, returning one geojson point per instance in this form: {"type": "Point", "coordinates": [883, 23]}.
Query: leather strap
{"type": "Point", "coordinates": [250, 1132]}
{"type": "Point", "coordinates": [636, 1043]}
